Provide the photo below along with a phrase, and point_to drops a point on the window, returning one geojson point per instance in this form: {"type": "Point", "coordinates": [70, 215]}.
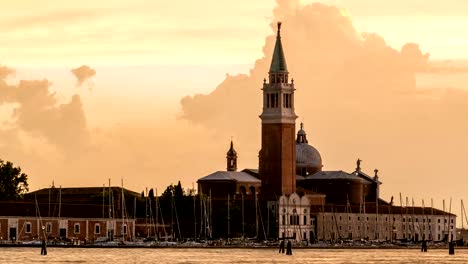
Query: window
{"type": "Point", "coordinates": [287, 103]}
{"type": "Point", "coordinates": [451, 221]}
{"type": "Point", "coordinates": [305, 220]}
{"type": "Point", "coordinates": [125, 229]}
{"type": "Point", "coordinates": [48, 227]}
{"type": "Point", "coordinates": [438, 220]}
{"type": "Point", "coordinates": [97, 229]}
{"type": "Point", "coordinates": [77, 228]}
{"type": "Point", "coordinates": [283, 220]}
{"type": "Point", "coordinates": [28, 227]}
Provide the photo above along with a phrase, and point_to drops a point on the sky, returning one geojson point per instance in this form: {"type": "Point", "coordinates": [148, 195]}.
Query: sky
{"type": "Point", "coordinates": [166, 84]}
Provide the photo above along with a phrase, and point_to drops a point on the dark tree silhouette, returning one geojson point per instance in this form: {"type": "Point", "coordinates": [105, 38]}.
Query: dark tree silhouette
{"type": "Point", "coordinates": [13, 183]}
{"type": "Point", "coordinates": [175, 190]}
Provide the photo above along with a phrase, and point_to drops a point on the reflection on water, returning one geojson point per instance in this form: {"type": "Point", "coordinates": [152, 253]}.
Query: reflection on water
{"type": "Point", "coordinates": [184, 255]}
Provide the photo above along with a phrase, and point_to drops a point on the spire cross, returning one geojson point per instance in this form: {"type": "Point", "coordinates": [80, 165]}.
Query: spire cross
{"type": "Point", "coordinates": [279, 28]}
{"type": "Point", "coordinates": [302, 126]}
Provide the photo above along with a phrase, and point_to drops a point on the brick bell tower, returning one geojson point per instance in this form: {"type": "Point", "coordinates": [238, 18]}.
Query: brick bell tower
{"type": "Point", "coordinates": [277, 158]}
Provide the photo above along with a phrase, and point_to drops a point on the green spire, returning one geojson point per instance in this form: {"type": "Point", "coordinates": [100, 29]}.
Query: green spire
{"type": "Point", "coordinates": [278, 63]}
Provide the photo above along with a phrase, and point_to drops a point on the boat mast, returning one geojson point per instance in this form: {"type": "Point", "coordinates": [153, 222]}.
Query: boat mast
{"type": "Point", "coordinates": [448, 223]}
{"type": "Point", "coordinates": [194, 214]}
{"type": "Point", "coordinates": [60, 202]}
{"type": "Point", "coordinates": [122, 211]}
{"type": "Point", "coordinates": [401, 214]}
{"type": "Point", "coordinates": [445, 213]}
{"type": "Point", "coordinates": [256, 215]}
{"type": "Point", "coordinates": [432, 214]}
{"type": "Point", "coordinates": [461, 212]}
{"type": "Point", "coordinates": [210, 214]}
{"type": "Point", "coordinates": [172, 215]}
{"type": "Point", "coordinates": [424, 221]}
{"type": "Point", "coordinates": [146, 214]}
{"type": "Point", "coordinates": [103, 201]}
{"type": "Point", "coordinates": [156, 201]}
{"type": "Point", "coordinates": [228, 218]}
{"type": "Point", "coordinates": [242, 196]}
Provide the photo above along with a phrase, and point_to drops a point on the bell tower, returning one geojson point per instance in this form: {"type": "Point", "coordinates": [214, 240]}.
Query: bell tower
{"type": "Point", "coordinates": [277, 158]}
{"type": "Point", "coordinates": [231, 158]}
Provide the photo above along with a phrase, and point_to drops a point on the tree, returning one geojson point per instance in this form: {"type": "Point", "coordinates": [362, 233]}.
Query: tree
{"type": "Point", "coordinates": [151, 194]}
{"type": "Point", "coordinates": [13, 183]}
{"type": "Point", "coordinates": [175, 190]}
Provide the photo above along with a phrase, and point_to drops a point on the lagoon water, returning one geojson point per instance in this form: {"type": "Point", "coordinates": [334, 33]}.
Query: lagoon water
{"type": "Point", "coordinates": [191, 255]}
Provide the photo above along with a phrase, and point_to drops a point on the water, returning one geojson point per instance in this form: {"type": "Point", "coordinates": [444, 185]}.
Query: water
{"type": "Point", "coordinates": [184, 255]}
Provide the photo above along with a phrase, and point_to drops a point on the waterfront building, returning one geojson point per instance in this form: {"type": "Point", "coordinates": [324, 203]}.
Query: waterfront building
{"type": "Point", "coordinates": [80, 215]}
{"type": "Point", "coordinates": [307, 202]}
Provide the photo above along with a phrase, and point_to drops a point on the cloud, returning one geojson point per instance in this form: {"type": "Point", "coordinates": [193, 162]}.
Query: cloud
{"type": "Point", "coordinates": [5, 72]}
{"type": "Point", "coordinates": [83, 74]}
{"type": "Point", "coordinates": [357, 96]}
{"type": "Point", "coordinates": [37, 113]}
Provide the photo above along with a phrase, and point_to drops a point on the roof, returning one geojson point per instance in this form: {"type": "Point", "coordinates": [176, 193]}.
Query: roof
{"type": "Point", "coordinates": [238, 176]}
{"type": "Point", "coordinates": [370, 208]}
{"type": "Point", "coordinates": [278, 63]}
{"type": "Point", "coordinates": [366, 177]}
{"type": "Point", "coordinates": [80, 191]}
{"type": "Point", "coordinates": [333, 175]}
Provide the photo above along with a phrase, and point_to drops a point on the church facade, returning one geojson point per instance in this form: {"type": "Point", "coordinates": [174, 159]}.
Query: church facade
{"type": "Point", "coordinates": [307, 202]}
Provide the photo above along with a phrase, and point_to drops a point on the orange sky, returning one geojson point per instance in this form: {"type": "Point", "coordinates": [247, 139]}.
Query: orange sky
{"type": "Point", "coordinates": [106, 32]}
{"type": "Point", "coordinates": [128, 121]}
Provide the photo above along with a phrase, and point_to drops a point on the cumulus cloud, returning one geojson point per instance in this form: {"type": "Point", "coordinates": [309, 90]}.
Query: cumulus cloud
{"type": "Point", "coordinates": [357, 95]}
{"type": "Point", "coordinates": [5, 72]}
{"type": "Point", "coordinates": [37, 113]}
{"type": "Point", "coordinates": [84, 74]}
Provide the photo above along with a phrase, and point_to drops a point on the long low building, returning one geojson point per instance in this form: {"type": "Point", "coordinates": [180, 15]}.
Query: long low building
{"type": "Point", "coordinates": [24, 229]}
{"type": "Point", "coordinates": [85, 214]}
{"type": "Point", "coordinates": [303, 220]}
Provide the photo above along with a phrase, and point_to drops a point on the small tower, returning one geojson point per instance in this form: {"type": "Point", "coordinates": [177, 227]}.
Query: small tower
{"type": "Point", "coordinates": [277, 159]}
{"type": "Point", "coordinates": [231, 158]}
{"type": "Point", "coordinates": [301, 135]}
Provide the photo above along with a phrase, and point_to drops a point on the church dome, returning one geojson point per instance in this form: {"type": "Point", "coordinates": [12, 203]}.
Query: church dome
{"type": "Point", "coordinates": [306, 155]}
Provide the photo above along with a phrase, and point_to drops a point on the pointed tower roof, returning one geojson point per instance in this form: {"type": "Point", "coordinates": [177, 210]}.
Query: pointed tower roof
{"type": "Point", "coordinates": [231, 151]}
{"type": "Point", "coordinates": [278, 63]}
